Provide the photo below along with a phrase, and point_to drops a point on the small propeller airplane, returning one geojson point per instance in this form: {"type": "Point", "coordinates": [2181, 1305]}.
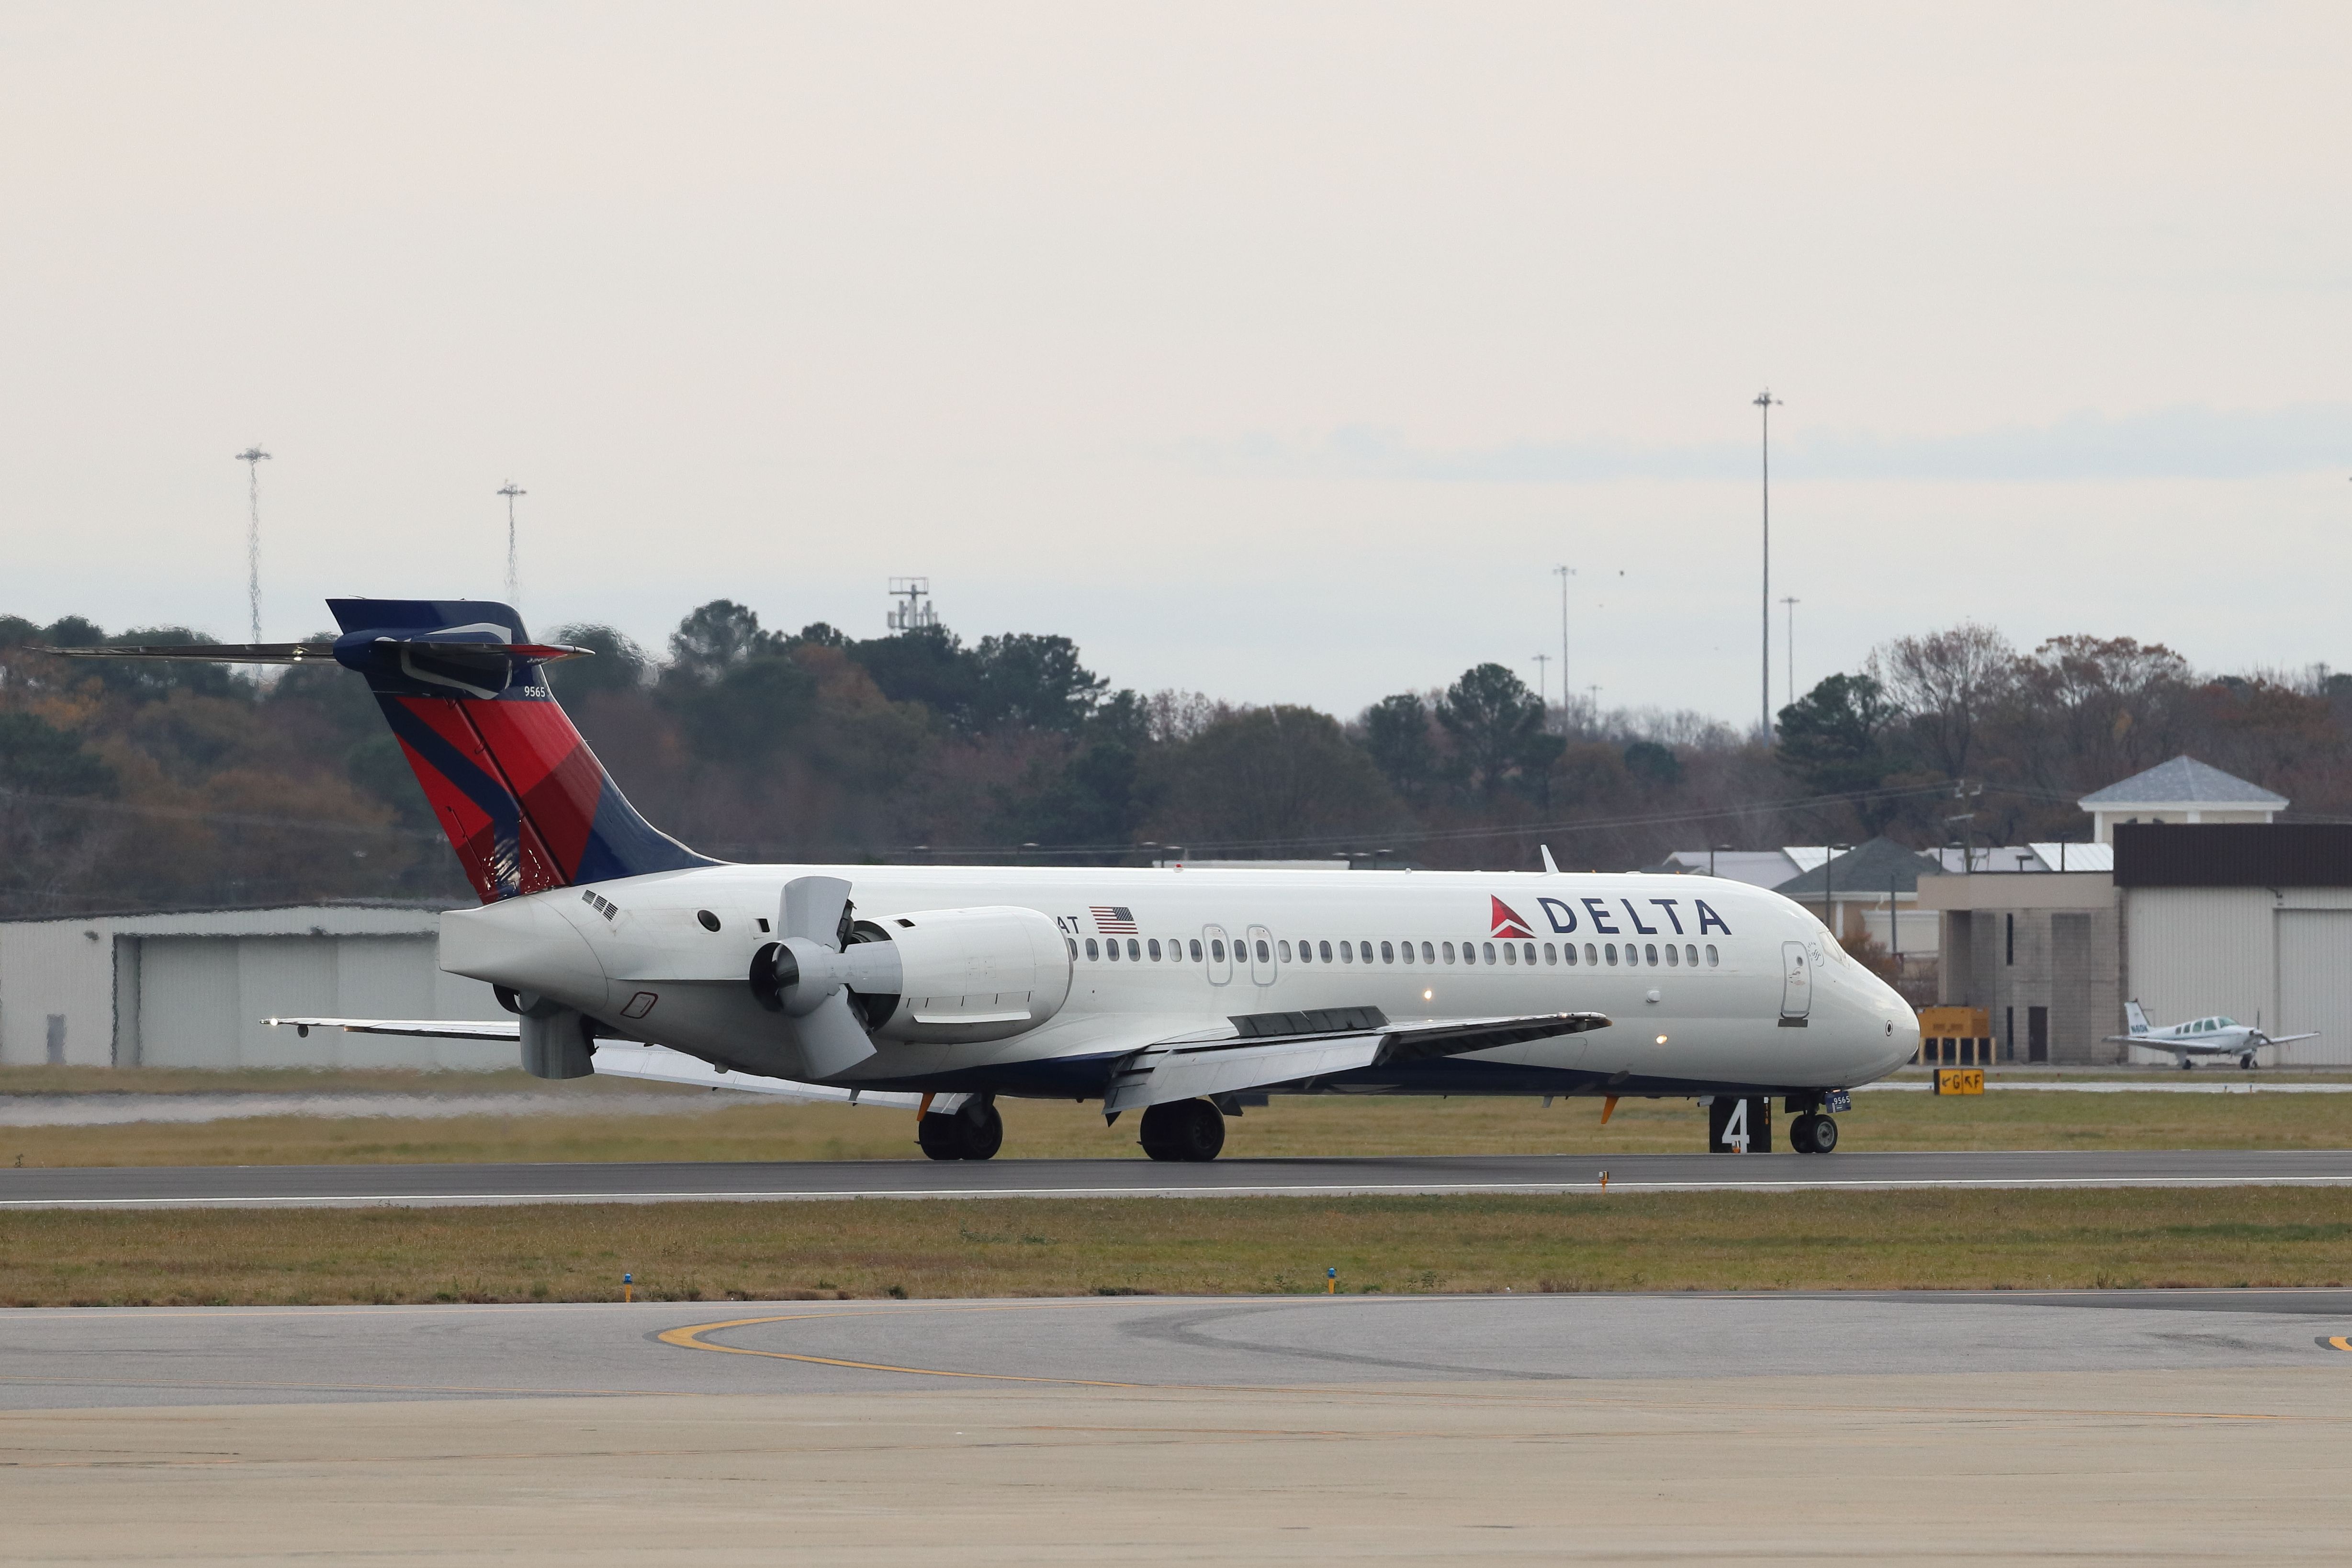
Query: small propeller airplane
{"type": "Point", "coordinates": [2211, 1036]}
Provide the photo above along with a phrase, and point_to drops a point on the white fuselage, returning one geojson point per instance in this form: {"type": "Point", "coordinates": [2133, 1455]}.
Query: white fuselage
{"type": "Point", "coordinates": [1711, 984]}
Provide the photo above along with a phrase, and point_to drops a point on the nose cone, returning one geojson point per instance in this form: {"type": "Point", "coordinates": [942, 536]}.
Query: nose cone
{"type": "Point", "coordinates": [527, 944]}
{"type": "Point", "coordinates": [1894, 1025]}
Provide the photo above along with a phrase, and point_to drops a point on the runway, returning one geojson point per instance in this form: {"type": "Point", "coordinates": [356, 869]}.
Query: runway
{"type": "Point", "coordinates": [1929, 1428]}
{"type": "Point", "coordinates": [420, 1184]}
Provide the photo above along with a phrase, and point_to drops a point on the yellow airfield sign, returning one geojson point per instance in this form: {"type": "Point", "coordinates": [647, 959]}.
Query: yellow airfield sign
{"type": "Point", "coordinates": [1960, 1080]}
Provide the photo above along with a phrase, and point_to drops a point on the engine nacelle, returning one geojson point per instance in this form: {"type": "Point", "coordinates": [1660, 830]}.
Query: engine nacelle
{"type": "Point", "coordinates": [969, 975]}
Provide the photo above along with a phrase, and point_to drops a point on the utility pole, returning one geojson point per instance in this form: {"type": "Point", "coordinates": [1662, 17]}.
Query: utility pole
{"type": "Point", "coordinates": [1764, 402]}
{"type": "Point", "coordinates": [253, 457]}
{"type": "Point", "coordinates": [1542, 659]}
{"type": "Point", "coordinates": [514, 581]}
{"type": "Point", "coordinates": [1791, 605]}
{"type": "Point", "coordinates": [1563, 574]}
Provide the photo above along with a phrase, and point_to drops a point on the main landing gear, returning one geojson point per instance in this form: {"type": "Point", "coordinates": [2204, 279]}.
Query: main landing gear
{"type": "Point", "coordinates": [1191, 1130]}
{"type": "Point", "coordinates": [972, 1131]}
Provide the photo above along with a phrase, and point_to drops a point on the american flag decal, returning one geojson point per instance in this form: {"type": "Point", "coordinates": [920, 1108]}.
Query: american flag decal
{"type": "Point", "coordinates": [1113, 920]}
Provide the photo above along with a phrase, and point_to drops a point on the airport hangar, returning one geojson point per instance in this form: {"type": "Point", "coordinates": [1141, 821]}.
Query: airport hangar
{"type": "Point", "coordinates": [189, 989]}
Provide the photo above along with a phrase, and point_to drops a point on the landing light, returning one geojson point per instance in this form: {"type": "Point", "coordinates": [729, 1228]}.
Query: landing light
{"type": "Point", "coordinates": [1662, 1039]}
{"type": "Point", "coordinates": [1428, 995]}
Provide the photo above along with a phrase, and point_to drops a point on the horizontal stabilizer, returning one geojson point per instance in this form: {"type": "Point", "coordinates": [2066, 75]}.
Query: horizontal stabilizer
{"type": "Point", "coordinates": [1189, 1070]}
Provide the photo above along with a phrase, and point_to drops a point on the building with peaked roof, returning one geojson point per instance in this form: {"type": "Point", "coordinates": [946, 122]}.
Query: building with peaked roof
{"type": "Point", "coordinates": [2182, 790]}
{"type": "Point", "coordinates": [1855, 893]}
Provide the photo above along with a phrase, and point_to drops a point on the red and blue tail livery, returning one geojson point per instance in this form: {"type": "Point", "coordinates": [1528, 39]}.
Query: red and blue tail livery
{"type": "Point", "coordinates": [525, 803]}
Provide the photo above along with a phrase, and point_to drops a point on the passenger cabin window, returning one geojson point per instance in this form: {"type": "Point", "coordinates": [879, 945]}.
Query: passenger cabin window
{"type": "Point", "coordinates": [1449, 952]}
{"type": "Point", "coordinates": [1649, 953]}
{"type": "Point", "coordinates": [1690, 955]}
{"type": "Point", "coordinates": [1388, 953]}
{"type": "Point", "coordinates": [1469, 952]}
{"type": "Point", "coordinates": [1510, 953]}
{"type": "Point", "coordinates": [1529, 948]}
{"type": "Point", "coordinates": [1091, 954]}
{"type": "Point", "coordinates": [1110, 949]}
{"type": "Point", "coordinates": [1217, 949]}
{"type": "Point", "coordinates": [1429, 954]}
{"type": "Point", "coordinates": [1489, 953]}
{"type": "Point", "coordinates": [1135, 950]}
{"type": "Point", "coordinates": [1711, 959]}
{"type": "Point", "coordinates": [1568, 951]}
{"type": "Point", "coordinates": [1265, 954]}
{"type": "Point", "coordinates": [1323, 951]}
{"type": "Point", "coordinates": [1074, 947]}
{"type": "Point", "coordinates": [1591, 954]}
{"type": "Point", "coordinates": [1552, 953]}
{"type": "Point", "coordinates": [1347, 954]}
{"type": "Point", "coordinates": [1285, 948]}
{"type": "Point", "coordinates": [1672, 958]}
{"type": "Point", "coordinates": [1610, 949]}
{"type": "Point", "coordinates": [1406, 948]}
{"type": "Point", "coordinates": [1155, 949]}
{"type": "Point", "coordinates": [1196, 950]}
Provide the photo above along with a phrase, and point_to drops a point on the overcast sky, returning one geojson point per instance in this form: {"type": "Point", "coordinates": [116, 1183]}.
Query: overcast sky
{"type": "Point", "coordinates": [1274, 350]}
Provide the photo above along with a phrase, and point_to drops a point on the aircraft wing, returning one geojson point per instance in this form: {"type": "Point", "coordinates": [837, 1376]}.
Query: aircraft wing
{"type": "Point", "coordinates": [615, 1058]}
{"type": "Point", "coordinates": [1275, 1048]}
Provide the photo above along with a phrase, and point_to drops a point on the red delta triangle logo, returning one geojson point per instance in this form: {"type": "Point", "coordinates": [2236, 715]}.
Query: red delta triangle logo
{"type": "Point", "coordinates": [1506, 919]}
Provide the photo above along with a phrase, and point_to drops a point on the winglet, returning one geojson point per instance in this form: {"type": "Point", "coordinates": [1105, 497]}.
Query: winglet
{"type": "Point", "coordinates": [1551, 867]}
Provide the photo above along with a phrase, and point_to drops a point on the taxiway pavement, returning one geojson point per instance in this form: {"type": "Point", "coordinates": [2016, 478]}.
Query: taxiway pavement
{"type": "Point", "coordinates": [347, 1186]}
{"type": "Point", "coordinates": [1932, 1428]}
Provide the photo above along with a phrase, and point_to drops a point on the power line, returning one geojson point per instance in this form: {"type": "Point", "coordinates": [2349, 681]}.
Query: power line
{"type": "Point", "coordinates": [253, 457]}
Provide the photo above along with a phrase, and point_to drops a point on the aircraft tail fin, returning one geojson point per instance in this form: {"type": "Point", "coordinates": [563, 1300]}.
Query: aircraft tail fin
{"type": "Point", "coordinates": [2137, 1019]}
{"type": "Point", "coordinates": [524, 802]}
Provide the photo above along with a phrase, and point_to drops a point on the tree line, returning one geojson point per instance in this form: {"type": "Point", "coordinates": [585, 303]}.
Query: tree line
{"type": "Point", "coordinates": [137, 785]}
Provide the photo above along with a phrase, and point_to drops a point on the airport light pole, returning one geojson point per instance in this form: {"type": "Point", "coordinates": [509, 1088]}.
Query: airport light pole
{"type": "Point", "coordinates": [514, 581]}
{"type": "Point", "coordinates": [1563, 574]}
{"type": "Point", "coordinates": [253, 457]}
{"type": "Point", "coordinates": [1764, 402]}
{"type": "Point", "coordinates": [1791, 604]}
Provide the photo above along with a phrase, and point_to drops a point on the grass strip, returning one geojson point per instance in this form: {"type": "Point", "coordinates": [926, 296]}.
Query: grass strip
{"type": "Point", "coordinates": [1006, 1247]}
{"type": "Point", "coordinates": [711, 1126]}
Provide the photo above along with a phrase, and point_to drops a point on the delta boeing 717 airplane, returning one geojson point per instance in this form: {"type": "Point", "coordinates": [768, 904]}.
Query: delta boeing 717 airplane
{"type": "Point", "coordinates": [1179, 994]}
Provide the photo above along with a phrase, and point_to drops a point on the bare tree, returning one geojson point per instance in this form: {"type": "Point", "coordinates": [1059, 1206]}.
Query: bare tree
{"type": "Point", "coordinates": [1949, 683]}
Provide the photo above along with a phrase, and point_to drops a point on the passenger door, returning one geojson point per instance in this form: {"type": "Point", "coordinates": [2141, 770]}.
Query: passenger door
{"type": "Point", "coordinates": [1220, 958]}
{"type": "Point", "coordinates": [1260, 946]}
{"type": "Point", "coordinates": [1796, 983]}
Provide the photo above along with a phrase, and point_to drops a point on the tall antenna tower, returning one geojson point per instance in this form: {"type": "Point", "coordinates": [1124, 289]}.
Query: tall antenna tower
{"type": "Point", "coordinates": [253, 457]}
{"type": "Point", "coordinates": [918, 614]}
{"type": "Point", "coordinates": [1541, 699]}
{"type": "Point", "coordinates": [514, 581]}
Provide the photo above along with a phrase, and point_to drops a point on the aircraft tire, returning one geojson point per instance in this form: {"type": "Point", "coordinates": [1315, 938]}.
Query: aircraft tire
{"type": "Point", "coordinates": [1191, 1130]}
{"type": "Point", "coordinates": [937, 1134]}
{"type": "Point", "coordinates": [980, 1131]}
{"type": "Point", "coordinates": [1800, 1132]}
{"type": "Point", "coordinates": [1824, 1136]}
